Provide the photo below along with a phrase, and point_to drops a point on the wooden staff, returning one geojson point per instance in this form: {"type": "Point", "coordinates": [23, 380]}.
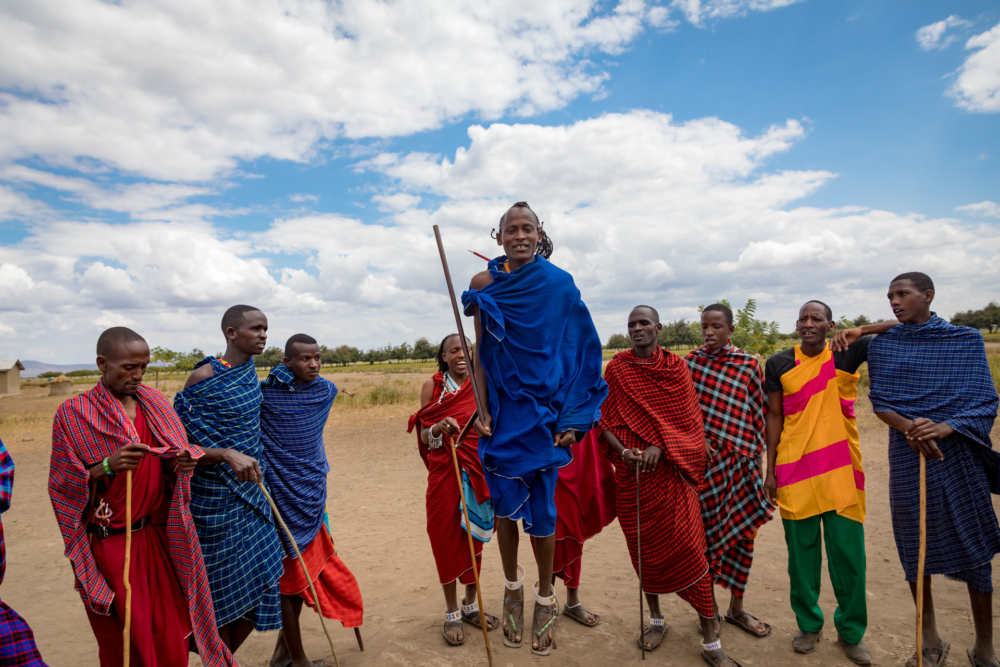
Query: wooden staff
{"type": "Point", "coordinates": [128, 557]}
{"type": "Point", "coordinates": [305, 570]}
{"type": "Point", "coordinates": [454, 453]}
{"type": "Point", "coordinates": [920, 560]}
{"type": "Point", "coordinates": [638, 541]}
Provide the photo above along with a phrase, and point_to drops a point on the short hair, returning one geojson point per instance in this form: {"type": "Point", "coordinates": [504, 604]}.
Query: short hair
{"type": "Point", "coordinates": [921, 281]}
{"type": "Point", "coordinates": [113, 337]}
{"type": "Point", "coordinates": [234, 316]}
{"type": "Point", "coordinates": [721, 308]}
{"type": "Point", "coordinates": [298, 338]}
{"type": "Point", "coordinates": [442, 365]}
{"type": "Point", "coordinates": [826, 309]}
{"type": "Point", "coordinates": [656, 315]}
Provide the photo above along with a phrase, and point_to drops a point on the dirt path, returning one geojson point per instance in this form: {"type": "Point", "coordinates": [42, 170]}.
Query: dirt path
{"type": "Point", "coordinates": [376, 504]}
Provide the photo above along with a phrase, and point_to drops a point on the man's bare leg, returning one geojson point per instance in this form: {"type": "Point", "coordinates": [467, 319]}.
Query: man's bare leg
{"type": "Point", "coordinates": [507, 540]}
{"type": "Point", "coordinates": [982, 617]}
{"type": "Point", "coordinates": [545, 550]}
{"type": "Point", "coordinates": [235, 633]}
{"type": "Point", "coordinates": [931, 637]}
{"type": "Point", "coordinates": [456, 633]}
{"type": "Point", "coordinates": [289, 644]}
{"type": "Point", "coordinates": [573, 599]}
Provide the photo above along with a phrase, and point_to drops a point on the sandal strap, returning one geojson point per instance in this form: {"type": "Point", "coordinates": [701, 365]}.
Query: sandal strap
{"type": "Point", "coordinates": [452, 617]}
{"type": "Point", "coordinates": [471, 608]}
{"type": "Point", "coordinates": [657, 621]}
{"type": "Point", "coordinates": [515, 585]}
{"type": "Point", "coordinates": [714, 646]}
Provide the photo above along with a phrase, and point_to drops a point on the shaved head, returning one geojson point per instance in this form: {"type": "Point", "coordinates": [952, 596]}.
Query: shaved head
{"type": "Point", "coordinates": [113, 338]}
{"type": "Point", "coordinates": [234, 316]}
{"type": "Point", "coordinates": [652, 311]}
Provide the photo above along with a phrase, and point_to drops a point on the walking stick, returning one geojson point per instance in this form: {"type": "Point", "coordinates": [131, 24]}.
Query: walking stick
{"type": "Point", "coordinates": [638, 540]}
{"type": "Point", "coordinates": [128, 556]}
{"type": "Point", "coordinates": [920, 560]}
{"type": "Point", "coordinates": [302, 563]}
{"type": "Point", "coordinates": [454, 453]}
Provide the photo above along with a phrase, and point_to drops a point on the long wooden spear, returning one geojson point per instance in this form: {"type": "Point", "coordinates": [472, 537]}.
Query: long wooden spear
{"type": "Point", "coordinates": [305, 570]}
{"type": "Point", "coordinates": [470, 361]}
{"type": "Point", "coordinates": [127, 634]}
{"type": "Point", "coordinates": [638, 549]}
{"type": "Point", "coordinates": [920, 560]}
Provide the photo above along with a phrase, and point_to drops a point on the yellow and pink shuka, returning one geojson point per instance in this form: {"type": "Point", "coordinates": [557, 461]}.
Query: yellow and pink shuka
{"type": "Point", "coordinates": [819, 459]}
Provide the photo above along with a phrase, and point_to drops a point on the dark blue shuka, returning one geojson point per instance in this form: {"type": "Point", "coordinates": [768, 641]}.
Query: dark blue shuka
{"type": "Point", "coordinates": [939, 371]}
{"type": "Point", "coordinates": [542, 359]}
{"type": "Point", "coordinates": [292, 418]}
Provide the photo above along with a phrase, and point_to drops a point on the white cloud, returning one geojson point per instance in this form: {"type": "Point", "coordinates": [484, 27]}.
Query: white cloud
{"type": "Point", "coordinates": [933, 36]}
{"type": "Point", "coordinates": [180, 89]}
{"type": "Point", "coordinates": [977, 87]}
{"type": "Point", "coordinates": [696, 11]}
{"type": "Point", "coordinates": [641, 209]}
{"type": "Point", "coordinates": [304, 198]}
{"type": "Point", "coordinates": [984, 208]}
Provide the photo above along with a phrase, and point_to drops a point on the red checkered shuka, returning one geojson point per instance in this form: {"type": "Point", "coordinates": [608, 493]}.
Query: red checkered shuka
{"type": "Point", "coordinates": [730, 387]}
{"type": "Point", "coordinates": [87, 429]}
{"type": "Point", "coordinates": [652, 402]}
{"type": "Point", "coordinates": [449, 543]}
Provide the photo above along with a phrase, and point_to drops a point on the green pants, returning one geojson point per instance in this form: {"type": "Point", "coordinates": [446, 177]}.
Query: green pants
{"type": "Point", "coordinates": [845, 554]}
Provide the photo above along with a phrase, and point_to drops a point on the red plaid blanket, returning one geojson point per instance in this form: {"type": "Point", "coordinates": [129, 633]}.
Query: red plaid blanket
{"type": "Point", "coordinates": [90, 427]}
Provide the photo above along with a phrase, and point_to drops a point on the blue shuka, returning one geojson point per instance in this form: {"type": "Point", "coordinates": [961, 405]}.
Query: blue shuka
{"type": "Point", "coordinates": [239, 542]}
{"type": "Point", "coordinates": [292, 419]}
{"type": "Point", "coordinates": [939, 371]}
{"type": "Point", "coordinates": [542, 359]}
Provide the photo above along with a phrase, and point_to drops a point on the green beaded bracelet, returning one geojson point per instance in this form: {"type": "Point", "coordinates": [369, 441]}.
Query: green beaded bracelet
{"type": "Point", "coordinates": [107, 467]}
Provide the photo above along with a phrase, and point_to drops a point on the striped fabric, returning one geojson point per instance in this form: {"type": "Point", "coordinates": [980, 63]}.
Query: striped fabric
{"type": "Point", "coordinates": [17, 643]}
{"type": "Point", "coordinates": [939, 371]}
{"type": "Point", "coordinates": [819, 458]}
{"type": "Point", "coordinates": [241, 547]}
{"type": "Point", "coordinates": [292, 419]}
{"type": "Point", "coordinates": [90, 427]}
{"type": "Point", "coordinates": [730, 387]}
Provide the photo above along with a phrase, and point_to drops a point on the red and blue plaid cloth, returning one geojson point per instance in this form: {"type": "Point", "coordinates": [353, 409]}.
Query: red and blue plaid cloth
{"type": "Point", "coordinates": [90, 427]}
{"type": "Point", "coordinates": [730, 388]}
{"type": "Point", "coordinates": [17, 643]}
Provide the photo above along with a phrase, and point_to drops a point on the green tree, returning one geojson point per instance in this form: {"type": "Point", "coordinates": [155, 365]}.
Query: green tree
{"type": "Point", "coordinates": [162, 359]}
{"type": "Point", "coordinates": [422, 349]}
{"type": "Point", "coordinates": [984, 318]}
{"type": "Point", "coordinates": [676, 334]}
{"type": "Point", "coordinates": [270, 357]}
{"type": "Point", "coordinates": [619, 342]}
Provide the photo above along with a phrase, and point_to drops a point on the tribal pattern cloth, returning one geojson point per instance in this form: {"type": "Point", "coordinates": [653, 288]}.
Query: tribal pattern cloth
{"type": "Point", "coordinates": [652, 402]}
{"type": "Point", "coordinates": [939, 371]}
{"type": "Point", "coordinates": [543, 370]}
{"type": "Point", "coordinates": [17, 642]}
{"type": "Point", "coordinates": [87, 429]}
{"type": "Point", "coordinates": [730, 387]}
{"type": "Point", "coordinates": [449, 543]}
{"type": "Point", "coordinates": [292, 419]}
{"type": "Point", "coordinates": [239, 541]}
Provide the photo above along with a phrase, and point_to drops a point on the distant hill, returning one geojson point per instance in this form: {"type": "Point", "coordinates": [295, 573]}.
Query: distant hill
{"type": "Point", "coordinates": [33, 368]}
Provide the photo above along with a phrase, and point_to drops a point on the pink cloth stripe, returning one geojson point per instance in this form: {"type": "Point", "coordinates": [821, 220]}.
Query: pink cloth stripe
{"type": "Point", "coordinates": [797, 402]}
{"type": "Point", "coordinates": [847, 407]}
{"type": "Point", "coordinates": [814, 464]}
{"type": "Point", "coordinates": [859, 480]}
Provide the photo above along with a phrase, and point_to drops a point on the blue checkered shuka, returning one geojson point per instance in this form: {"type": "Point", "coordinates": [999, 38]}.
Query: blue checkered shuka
{"type": "Point", "coordinates": [292, 419]}
{"type": "Point", "coordinates": [939, 371]}
{"type": "Point", "coordinates": [239, 542]}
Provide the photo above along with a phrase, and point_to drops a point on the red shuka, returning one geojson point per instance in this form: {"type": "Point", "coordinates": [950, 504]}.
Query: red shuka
{"type": "Point", "coordinates": [448, 541]}
{"type": "Point", "coordinates": [337, 589]}
{"type": "Point", "coordinates": [584, 505]}
{"type": "Point", "coordinates": [653, 402]}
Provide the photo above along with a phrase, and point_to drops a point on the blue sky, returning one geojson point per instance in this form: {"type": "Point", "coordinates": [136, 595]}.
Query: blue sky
{"type": "Point", "coordinates": [162, 161]}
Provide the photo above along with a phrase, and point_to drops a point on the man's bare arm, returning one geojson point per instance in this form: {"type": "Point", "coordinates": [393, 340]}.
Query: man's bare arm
{"type": "Point", "coordinates": [775, 423]}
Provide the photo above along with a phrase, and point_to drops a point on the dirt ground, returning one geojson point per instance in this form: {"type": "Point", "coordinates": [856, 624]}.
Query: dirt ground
{"type": "Point", "coordinates": [376, 504]}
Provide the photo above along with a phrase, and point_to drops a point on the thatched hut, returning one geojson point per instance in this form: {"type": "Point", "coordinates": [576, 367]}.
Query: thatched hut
{"type": "Point", "coordinates": [61, 386]}
{"type": "Point", "coordinates": [10, 376]}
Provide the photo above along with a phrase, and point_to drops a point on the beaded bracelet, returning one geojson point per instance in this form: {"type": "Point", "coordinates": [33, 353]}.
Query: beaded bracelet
{"type": "Point", "coordinates": [107, 467]}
